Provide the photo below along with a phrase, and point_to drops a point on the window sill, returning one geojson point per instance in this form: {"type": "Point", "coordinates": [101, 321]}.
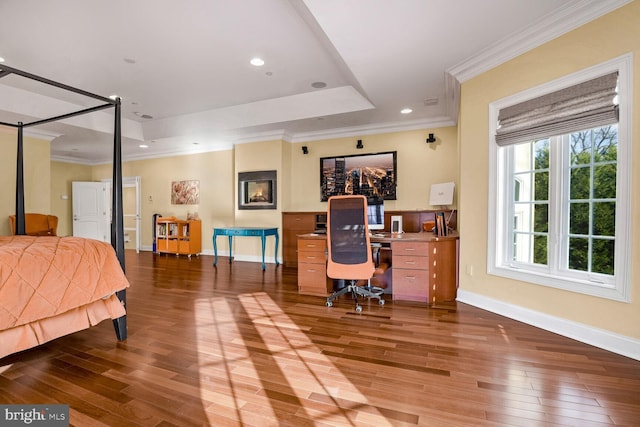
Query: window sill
{"type": "Point", "coordinates": [571, 284]}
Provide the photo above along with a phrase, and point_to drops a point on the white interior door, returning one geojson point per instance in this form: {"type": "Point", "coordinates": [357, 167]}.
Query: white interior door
{"type": "Point", "coordinates": [91, 206]}
{"type": "Point", "coordinates": [131, 210]}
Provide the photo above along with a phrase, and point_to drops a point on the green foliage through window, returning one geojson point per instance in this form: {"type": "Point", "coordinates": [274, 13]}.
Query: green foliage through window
{"type": "Point", "coordinates": [590, 202]}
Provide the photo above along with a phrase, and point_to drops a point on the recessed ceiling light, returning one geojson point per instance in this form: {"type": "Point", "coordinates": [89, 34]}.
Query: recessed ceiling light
{"type": "Point", "coordinates": [406, 111]}
{"type": "Point", "coordinates": [318, 85]}
{"type": "Point", "coordinates": [1, 59]}
{"type": "Point", "coordinates": [143, 146]}
{"type": "Point", "coordinates": [257, 62]}
{"type": "Point", "coordinates": [114, 97]}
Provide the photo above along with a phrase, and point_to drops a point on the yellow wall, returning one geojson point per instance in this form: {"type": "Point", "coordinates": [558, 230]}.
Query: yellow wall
{"type": "Point", "coordinates": [37, 163]}
{"type": "Point", "coordinates": [260, 156]}
{"type": "Point", "coordinates": [608, 37]}
{"type": "Point", "coordinates": [214, 171]}
{"type": "Point", "coordinates": [419, 165]}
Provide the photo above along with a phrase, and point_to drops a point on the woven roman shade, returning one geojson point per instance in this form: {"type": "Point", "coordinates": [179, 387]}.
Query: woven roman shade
{"type": "Point", "coordinates": [583, 106]}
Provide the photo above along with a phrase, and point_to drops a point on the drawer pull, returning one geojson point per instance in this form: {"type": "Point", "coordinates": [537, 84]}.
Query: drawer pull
{"type": "Point", "coordinates": [410, 277]}
{"type": "Point", "coordinates": [311, 257]}
{"type": "Point", "coordinates": [410, 262]}
{"type": "Point", "coordinates": [311, 246]}
{"type": "Point", "coordinates": [311, 271]}
{"type": "Point", "coordinates": [409, 249]}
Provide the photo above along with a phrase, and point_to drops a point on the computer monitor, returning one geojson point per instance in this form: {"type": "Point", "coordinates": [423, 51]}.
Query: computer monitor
{"type": "Point", "coordinates": [375, 213]}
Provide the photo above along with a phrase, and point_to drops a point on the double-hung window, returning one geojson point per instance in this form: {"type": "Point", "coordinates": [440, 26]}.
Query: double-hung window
{"type": "Point", "coordinates": [560, 183]}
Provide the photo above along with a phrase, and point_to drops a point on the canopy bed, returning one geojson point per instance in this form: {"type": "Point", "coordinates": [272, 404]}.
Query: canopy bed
{"type": "Point", "coordinates": [52, 286]}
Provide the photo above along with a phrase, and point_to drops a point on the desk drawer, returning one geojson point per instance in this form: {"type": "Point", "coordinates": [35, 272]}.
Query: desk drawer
{"type": "Point", "coordinates": [410, 248]}
{"type": "Point", "coordinates": [410, 285]}
{"type": "Point", "coordinates": [312, 258]}
{"type": "Point", "coordinates": [312, 245]}
{"type": "Point", "coordinates": [412, 262]}
{"type": "Point", "coordinates": [312, 279]}
{"type": "Point", "coordinates": [312, 272]}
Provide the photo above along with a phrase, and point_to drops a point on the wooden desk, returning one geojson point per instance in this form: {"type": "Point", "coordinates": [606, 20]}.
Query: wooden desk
{"type": "Point", "coordinates": [424, 266]}
{"type": "Point", "coordinates": [245, 231]}
{"type": "Point", "coordinates": [296, 223]}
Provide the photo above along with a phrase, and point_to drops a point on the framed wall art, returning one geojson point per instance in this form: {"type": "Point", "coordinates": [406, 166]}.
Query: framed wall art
{"type": "Point", "coordinates": [371, 175]}
{"type": "Point", "coordinates": [185, 193]}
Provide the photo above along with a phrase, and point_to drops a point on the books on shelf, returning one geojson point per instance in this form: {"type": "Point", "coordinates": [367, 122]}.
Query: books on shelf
{"type": "Point", "coordinates": [171, 229]}
{"type": "Point", "coordinates": [441, 224]}
{"type": "Point", "coordinates": [178, 236]}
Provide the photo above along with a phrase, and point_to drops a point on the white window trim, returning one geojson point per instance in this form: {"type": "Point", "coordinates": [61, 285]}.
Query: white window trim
{"type": "Point", "coordinates": [497, 238]}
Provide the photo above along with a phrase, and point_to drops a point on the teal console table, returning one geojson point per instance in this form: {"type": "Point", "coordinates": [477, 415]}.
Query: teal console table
{"type": "Point", "coordinates": [244, 231]}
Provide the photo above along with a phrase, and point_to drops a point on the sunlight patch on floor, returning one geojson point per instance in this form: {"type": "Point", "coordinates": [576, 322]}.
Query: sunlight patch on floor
{"type": "Point", "coordinates": [270, 367]}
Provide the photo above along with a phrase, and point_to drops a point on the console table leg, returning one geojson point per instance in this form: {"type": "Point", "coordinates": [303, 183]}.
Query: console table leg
{"type": "Point", "coordinates": [215, 251]}
{"type": "Point", "coordinates": [263, 239]}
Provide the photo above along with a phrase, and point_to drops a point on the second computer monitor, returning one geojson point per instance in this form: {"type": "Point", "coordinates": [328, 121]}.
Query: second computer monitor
{"type": "Point", "coordinates": [375, 213]}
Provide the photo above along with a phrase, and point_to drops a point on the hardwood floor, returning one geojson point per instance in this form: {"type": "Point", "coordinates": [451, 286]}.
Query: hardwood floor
{"type": "Point", "coordinates": [233, 345]}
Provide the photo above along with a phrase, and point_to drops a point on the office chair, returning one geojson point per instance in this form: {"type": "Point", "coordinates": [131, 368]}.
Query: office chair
{"type": "Point", "coordinates": [349, 248]}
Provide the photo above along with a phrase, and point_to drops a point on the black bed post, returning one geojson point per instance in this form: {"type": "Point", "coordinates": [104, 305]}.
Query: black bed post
{"type": "Point", "coordinates": [117, 221]}
{"type": "Point", "coordinates": [20, 221]}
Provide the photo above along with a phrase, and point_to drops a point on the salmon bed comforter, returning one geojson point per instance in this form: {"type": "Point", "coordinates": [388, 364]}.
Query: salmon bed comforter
{"type": "Point", "coordinates": [46, 276]}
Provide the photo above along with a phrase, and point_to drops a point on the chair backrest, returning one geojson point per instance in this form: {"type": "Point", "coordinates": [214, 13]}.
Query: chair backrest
{"type": "Point", "coordinates": [348, 243]}
{"type": "Point", "coordinates": [36, 224]}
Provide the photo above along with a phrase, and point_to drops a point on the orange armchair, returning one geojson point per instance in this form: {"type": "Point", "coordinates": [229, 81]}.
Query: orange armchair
{"type": "Point", "coordinates": [37, 224]}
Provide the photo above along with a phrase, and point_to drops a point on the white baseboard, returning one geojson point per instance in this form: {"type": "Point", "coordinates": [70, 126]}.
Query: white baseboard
{"type": "Point", "coordinates": [248, 258]}
{"type": "Point", "coordinates": [267, 259]}
{"type": "Point", "coordinates": [620, 344]}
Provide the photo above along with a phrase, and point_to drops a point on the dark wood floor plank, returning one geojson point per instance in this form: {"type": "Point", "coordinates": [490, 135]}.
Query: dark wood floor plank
{"type": "Point", "coordinates": [235, 346]}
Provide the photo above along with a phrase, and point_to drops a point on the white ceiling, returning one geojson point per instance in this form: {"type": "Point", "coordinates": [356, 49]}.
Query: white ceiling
{"type": "Point", "coordinates": [186, 64]}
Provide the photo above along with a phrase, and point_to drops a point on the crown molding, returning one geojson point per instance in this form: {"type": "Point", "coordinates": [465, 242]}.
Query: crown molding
{"type": "Point", "coordinates": [549, 27]}
{"type": "Point", "coordinates": [41, 134]}
{"type": "Point", "coordinates": [74, 160]}
{"type": "Point", "coordinates": [31, 132]}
